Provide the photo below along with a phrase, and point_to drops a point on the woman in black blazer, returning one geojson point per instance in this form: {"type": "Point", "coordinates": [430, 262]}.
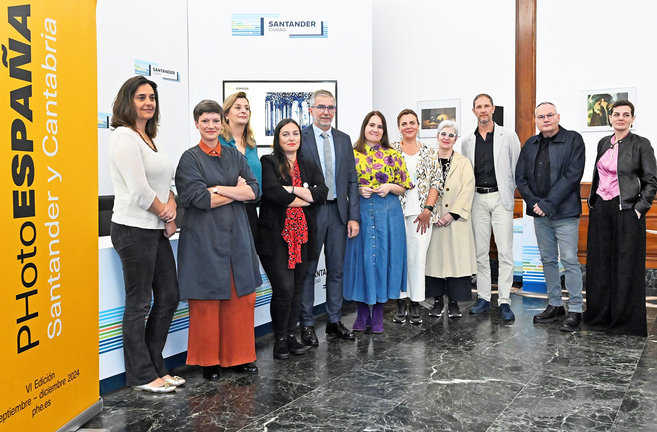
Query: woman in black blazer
{"type": "Point", "coordinates": [287, 230]}
{"type": "Point", "coordinates": [624, 185]}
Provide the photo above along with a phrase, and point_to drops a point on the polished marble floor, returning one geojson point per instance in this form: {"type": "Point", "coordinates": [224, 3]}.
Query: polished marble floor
{"type": "Point", "coordinates": [471, 374]}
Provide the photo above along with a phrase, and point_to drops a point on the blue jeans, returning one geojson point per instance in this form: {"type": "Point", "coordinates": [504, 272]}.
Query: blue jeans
{"type": "Point", "coordinates": [557, 240]}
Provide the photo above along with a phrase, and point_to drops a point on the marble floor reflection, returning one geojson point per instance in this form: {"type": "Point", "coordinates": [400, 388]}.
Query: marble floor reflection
{"type": "Point", "coordinates": [471, 374]}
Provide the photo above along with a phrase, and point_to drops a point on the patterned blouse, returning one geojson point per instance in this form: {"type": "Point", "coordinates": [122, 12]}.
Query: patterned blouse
{"type": "Point", "coordinates": [295, 231]}
{"type": "Point", "coordinates": [379, 166]}
{"type": "Point", "coordinates": [428, 176]}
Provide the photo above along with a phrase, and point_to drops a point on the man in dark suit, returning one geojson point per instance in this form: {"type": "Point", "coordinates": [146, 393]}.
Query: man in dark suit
{"type": "Point", "coordinates": [331, 150]}
{"type": "Point", "coordinates": [548, 174]}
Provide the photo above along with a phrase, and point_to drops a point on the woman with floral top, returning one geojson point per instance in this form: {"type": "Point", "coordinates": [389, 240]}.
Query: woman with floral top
{"type": "Point", "coordinates": [419, 213]}
{"type": "Point", "coordinates": [375, 260]}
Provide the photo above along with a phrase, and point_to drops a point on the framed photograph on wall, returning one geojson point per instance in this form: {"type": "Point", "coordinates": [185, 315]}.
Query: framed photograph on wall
{"type": "Point", "coordinates": [433, 112]}
{"type": "Point", "coordinates": [273, 101]}
{"type": "Point", "coordinates": [596, 107]}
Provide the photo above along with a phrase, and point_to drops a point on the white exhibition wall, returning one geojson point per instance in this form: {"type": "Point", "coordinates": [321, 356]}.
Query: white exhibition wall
{"type": "Point", "coordinates": [345, 55]}
{"type": "Point", "coordinates": [384, 55]}
{"type": "Point", "coordinates": [152, 31]}
{"type": "Point", "coordinates": [195, 39]}
{"type": "Point", "coordinates": [433, 50]}
{"type": "Point", "coordinates": [578, 48]}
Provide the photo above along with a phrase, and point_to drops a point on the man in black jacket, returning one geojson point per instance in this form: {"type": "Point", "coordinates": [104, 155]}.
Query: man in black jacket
{"type": "Point", "coordinates": [548, 176]}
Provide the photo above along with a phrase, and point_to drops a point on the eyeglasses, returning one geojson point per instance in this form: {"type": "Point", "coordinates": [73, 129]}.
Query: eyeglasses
{"type": "Point", "coordinates": [542, 117]}
{"type": "Point", "coordinates": [445, 134]}
{"type": "Point", "coordinates": [329, 108]}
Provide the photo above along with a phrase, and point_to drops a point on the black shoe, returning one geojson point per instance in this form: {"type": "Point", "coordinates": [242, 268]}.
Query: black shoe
{"type": "Point", "coordinates": [572, 322]}
{"type": "Point", "coordinates": [550, 314]}
{"type": "Point", "coordinates": [309, 337]}
{"type": "Point", "coordinates": [438, 308]}
{"type": "Point", "coordinates": [249, 368]}
{"type": "Point", "coordinates": [339, 330]}
{"type": "Point", "coordinates": [294, 346]}
{"type": "Point", "coordinates": [211, 373]}
{"type": "Point", "coordinates": [453, 310]}
{"type": "Point", "coordinates": [414, 316]}
{"type": "Point", "coordinates": [400, 316]}
{"type": "Point", "coordinates": [281, 351]}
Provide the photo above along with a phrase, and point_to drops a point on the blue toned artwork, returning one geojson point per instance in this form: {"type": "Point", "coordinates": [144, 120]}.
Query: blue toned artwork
{"type": "Point", "coordinates": [282, 105]}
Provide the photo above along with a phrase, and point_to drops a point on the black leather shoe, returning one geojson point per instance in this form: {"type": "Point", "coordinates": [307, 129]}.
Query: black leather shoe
{"type": "Point", "coordinates": [339, 330]}
{"type": "Point", "coordinates": [280, 349]}
{"type": "Point", "coordinates": [550, 314]}
{"type": "Point", "coordinates": [294, 346]}
{"type": "Point", "coordinates": [572, 322]}
{"type": "Point", "coordinates": [308, 336]}
{"type": "Point", "coordinates": [211, 373]}
{"type": "Point", "coordinates": [249, 368]}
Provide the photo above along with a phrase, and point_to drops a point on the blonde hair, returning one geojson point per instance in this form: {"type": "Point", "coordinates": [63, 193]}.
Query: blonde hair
{"type": "Point", "coordinates": [249, 137]}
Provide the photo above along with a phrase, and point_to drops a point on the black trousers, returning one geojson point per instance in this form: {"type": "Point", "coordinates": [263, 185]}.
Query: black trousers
{"type": "Point", "coordinates": [287, 287]}
{"type": "Point", "coordinates": [456, 288]}
{"type": "Point", "coordinates": [615, 270]}
{"type": "Point", "coordinates": [149, 271]}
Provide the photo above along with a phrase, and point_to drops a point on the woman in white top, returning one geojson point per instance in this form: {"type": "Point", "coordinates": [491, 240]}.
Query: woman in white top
{"type": "Point", "coordinates": [142, 222]}
{"type": "Point", "coordinates": [418, 207]}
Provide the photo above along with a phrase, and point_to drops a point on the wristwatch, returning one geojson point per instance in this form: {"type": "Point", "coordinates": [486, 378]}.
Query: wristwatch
{"type": "Point", "coordinates": [428, 207]}
{"type": "Point", "coordinates": [215, 190]}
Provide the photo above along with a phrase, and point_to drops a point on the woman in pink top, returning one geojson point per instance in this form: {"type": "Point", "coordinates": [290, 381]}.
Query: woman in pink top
{"type": "Point", "coordinates": [624, 185]}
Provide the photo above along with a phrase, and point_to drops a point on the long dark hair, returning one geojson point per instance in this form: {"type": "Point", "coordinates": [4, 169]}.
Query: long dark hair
{"type": "Point", "coordinates": [123, 109]}
{"type": "Point", "coordinates": [359, 146]}
{"type": "Point", "coordinates": [279, 154]}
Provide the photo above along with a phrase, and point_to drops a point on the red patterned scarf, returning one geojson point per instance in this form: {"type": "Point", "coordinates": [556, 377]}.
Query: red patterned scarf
{"type": "Point", "coordinates": [295, 231]}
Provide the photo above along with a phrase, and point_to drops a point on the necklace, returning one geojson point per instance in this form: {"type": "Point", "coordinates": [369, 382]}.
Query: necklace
{"type": "Point", "coordinates": [444, 170]}
{"type": "Point", "coordinates": [151, 146]}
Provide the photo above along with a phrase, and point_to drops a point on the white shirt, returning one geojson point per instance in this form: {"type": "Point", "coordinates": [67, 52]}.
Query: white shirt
{"type": "Point", "coordinates": [412, 207]}
{"type": "Point", "coordinates": [139, 174]}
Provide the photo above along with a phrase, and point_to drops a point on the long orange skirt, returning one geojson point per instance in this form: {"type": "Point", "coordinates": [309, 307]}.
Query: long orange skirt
{"type": "Point", "coordinates": [221, 331]}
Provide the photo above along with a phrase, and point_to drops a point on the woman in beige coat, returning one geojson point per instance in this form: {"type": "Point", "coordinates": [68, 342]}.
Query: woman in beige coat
{"type": "Point", "coordinates": [451, 260]}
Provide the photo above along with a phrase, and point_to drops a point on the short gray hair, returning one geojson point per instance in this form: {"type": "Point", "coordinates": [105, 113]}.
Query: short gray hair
{"type": "Point", "coordinates": [450, 124]}
{"type": "Point", "coordinates": [320, 92]}
{"type": "Point", "coordinates": [548, 103]}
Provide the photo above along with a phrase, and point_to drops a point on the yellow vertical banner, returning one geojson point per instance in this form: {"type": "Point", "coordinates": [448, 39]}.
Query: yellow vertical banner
{"type": "Point", "coordinates": [48, 211]}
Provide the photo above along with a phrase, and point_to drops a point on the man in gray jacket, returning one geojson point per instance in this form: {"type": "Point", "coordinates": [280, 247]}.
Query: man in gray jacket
{"type": "Point", "coordinates": [493, 151]}
{"type": "Point", "coordinates": [337, 219]}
